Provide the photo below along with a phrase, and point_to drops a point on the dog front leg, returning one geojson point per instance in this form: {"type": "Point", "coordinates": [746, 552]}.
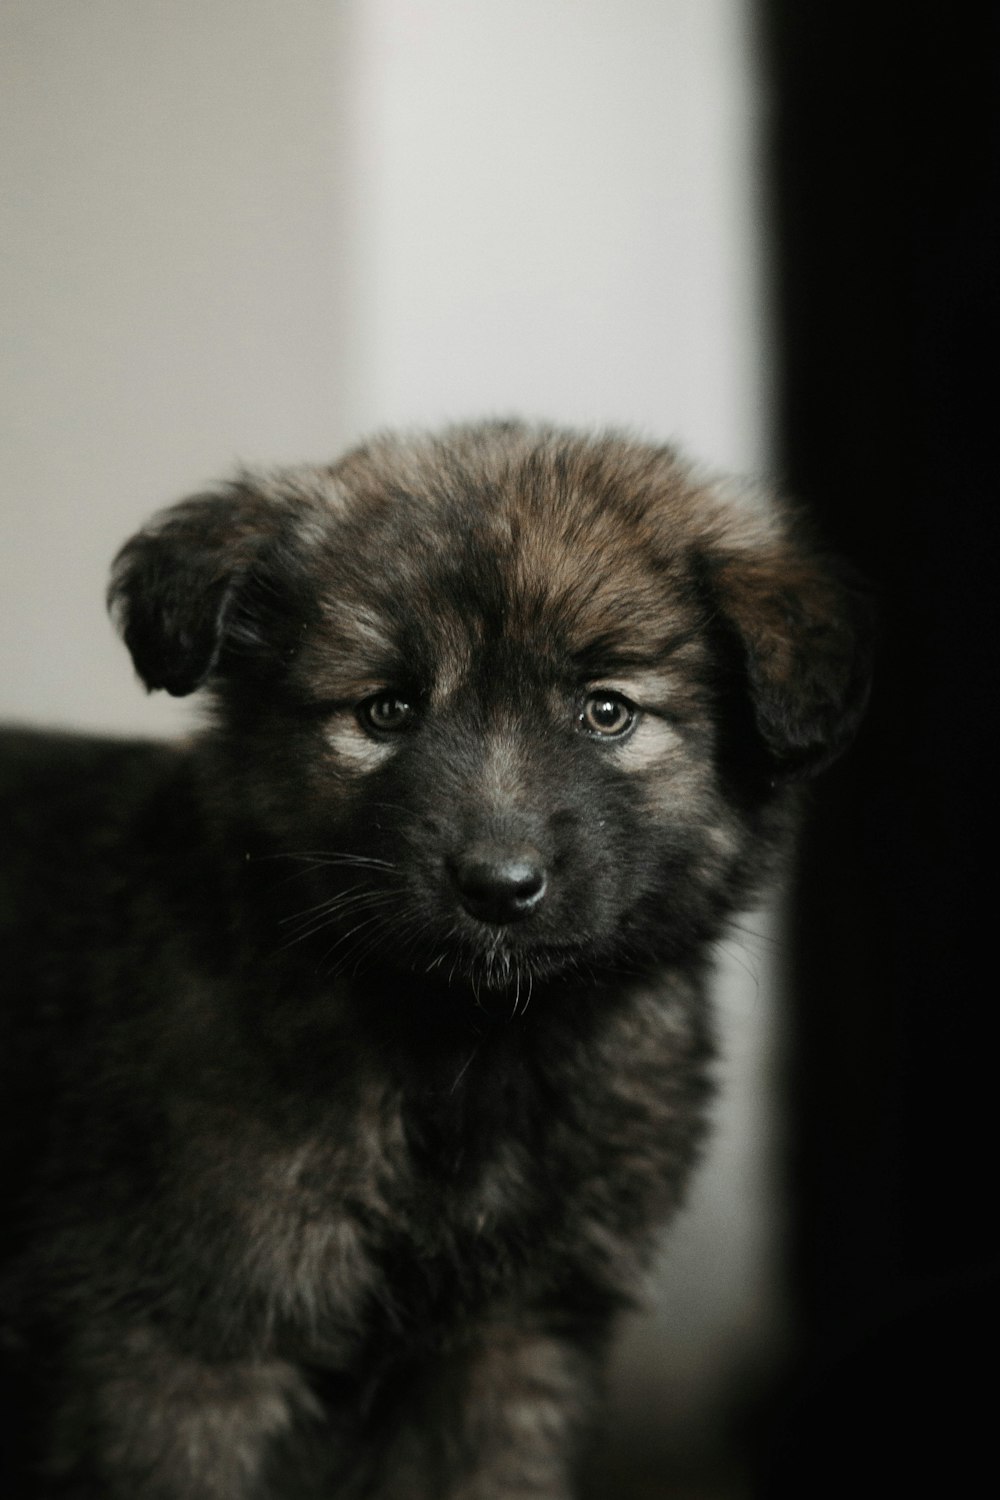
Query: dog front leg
{"type": "Point", "coordinates": [142, 1422]}
{"type": "Point", "coordinates": [502, 1420]}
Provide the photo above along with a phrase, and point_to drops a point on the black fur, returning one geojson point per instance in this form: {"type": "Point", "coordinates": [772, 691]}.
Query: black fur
{"type": "Point", "coordinates": [356, 1052]}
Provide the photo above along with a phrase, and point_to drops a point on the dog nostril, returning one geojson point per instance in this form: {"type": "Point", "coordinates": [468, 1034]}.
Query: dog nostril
{"type": "Point", "coordinates": [500, 886]}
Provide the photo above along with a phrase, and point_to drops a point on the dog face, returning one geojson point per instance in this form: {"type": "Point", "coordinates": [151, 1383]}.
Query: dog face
{"type": "Point", "coordinates": [521, 702]}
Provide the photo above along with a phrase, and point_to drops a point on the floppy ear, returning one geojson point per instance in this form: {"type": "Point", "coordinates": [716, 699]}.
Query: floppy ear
{"type": "Point", "coordinates": [174, 584]}
{"type": "Point", "coordinates": [804, 625]}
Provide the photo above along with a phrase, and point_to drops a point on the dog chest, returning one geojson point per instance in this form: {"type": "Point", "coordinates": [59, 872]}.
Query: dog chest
{"type": "Point", "coordinates": [422, 1202]}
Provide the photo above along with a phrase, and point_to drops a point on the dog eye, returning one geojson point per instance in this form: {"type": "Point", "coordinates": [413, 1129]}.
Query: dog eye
{"type": "Point", "coordinates": [606, 714]}
{"type": "Point", "coordinates": [386, 713]}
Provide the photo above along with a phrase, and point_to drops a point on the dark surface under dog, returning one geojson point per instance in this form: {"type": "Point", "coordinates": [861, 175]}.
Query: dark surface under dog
{"type": "Point", "coordinates": [356, 1052]}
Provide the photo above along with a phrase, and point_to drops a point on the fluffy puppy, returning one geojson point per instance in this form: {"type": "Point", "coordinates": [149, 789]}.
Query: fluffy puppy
{"type": "Point", "coordinates": [356, 1051]}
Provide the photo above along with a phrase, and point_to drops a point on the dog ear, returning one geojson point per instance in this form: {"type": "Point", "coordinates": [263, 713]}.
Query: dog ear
{"type": "Point", "coordinates": [173, 586]}
{"type": "Point", "coordinates": [804, 625]}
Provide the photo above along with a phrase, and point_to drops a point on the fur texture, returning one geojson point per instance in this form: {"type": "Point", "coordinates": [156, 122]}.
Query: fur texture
{"type": "Point", "coordinates": [356, 1051]}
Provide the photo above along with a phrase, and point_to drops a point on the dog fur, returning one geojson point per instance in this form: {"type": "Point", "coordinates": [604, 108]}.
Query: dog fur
{"type": "Point", "coordinates": [356, 1051]}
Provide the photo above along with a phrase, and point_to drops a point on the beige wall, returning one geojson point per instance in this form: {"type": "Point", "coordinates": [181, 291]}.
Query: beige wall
{"type": "Point", "coordinates": [250, 229]}
{"type": "Point", "coordinates": [178, 273]}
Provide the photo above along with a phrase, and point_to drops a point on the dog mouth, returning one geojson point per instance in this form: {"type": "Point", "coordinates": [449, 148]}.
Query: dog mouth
{"type": "Point", "coordinates": [496, 964]}
{"type": "Point", "coordinates": [490, 930]}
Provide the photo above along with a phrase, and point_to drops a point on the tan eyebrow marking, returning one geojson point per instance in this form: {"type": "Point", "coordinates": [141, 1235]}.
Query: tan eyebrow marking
{"type": "Point", "coordinates": [651, 742]}
{"type": "Point", "coordinates": [355, 750]}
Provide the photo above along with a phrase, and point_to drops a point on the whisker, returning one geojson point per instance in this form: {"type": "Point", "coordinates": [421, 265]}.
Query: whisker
{"type": "Point", "coordinates": [345, 937]}
{"type": "Point", "coordinates": [330, 857]}
{"type": "Point", "coordinates": [531, 990]}
{"type": "Point", "coordinates": [330, 903]}
{"type": "Point", "coordinates": [465, 1067]}
{"type": "Point", "coordinates": [318, 920]}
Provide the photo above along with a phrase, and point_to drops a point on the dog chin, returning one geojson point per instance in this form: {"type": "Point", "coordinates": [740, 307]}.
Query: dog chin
{"type": "Point", "coordinates": [495, 964]}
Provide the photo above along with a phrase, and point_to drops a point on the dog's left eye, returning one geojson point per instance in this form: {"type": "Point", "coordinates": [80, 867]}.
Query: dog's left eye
{"type": "Point", "coordinates": [386, 713]}
{"type": "Point", "coordinates": [606, 714]}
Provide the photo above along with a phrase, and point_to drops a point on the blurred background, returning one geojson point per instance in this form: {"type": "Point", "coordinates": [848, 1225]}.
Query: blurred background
{"type": "Point", "coordinates": [251, 231]}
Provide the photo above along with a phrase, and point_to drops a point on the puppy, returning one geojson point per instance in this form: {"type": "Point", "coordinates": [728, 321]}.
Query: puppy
{"type": "Point", "coordinates": [356, 1052]}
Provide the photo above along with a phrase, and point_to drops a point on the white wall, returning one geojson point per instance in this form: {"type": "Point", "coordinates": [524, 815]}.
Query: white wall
{"type": "Point", "coordinates": [559, 215]}
{"type": "Point", "coordinates": [251, 229]}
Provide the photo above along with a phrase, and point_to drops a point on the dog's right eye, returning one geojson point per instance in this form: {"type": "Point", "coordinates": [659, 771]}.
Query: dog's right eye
{"type": "Point", "coordinates": [385, 713]}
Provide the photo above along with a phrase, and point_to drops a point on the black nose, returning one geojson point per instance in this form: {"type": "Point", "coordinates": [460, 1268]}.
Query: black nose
{"type": "Point", "coordinates": [498, 884]}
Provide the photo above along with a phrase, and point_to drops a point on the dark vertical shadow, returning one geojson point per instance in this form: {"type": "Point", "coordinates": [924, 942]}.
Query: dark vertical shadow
{"type": "Point", "coordinates": [884, 194]}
